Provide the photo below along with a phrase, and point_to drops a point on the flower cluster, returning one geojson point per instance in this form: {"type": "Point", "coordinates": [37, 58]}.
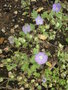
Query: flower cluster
{"type": "Point", "coordinates": [41, 57]}
{"type": "Point", "coordinates": [39, 20]}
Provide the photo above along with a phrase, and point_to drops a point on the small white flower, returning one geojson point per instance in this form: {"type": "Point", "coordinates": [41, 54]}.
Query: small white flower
{"type": "Point", "coordinates": [11, 40]}
{"type": "Point", "coordinates": [43, 79]}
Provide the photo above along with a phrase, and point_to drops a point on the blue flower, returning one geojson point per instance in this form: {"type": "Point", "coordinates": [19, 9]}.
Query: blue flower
{"type": "Point", "coordinates": [56, 7]}
{"type": "Point", "coordinates": [41, 58]}
{"type": "Point", "coordinates": [43, 79]}
{"type": "Point", "coordinates": [39, 20]}
{"type": "Point", "coordinates": [26, 28]}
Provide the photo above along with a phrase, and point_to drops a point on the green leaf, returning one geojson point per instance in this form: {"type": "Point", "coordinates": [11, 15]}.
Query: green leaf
{"type": "Point", "coordinates": [22, 40]}
{"type": "Point", "coordinates": [66, 28]}
{"type": "Point", "coordinates": [65, 18]}
{"type": "Point", "coordinates": [22, 34]}
{"type": "Point", "coordinates": [10, 67]}
{"type": "Point", "coordinates": [66, 87]}
{"type": "Point", "coordinates": [36, 74]}
{"type": "Point", "coordinates": [34, 14]}
{"type": "Point", "coordinates": [25, 3]}
{"type": "Point", "coordinates": [56, 1]}
{"type": "Point", "coordinates": [25, 67]}
{"type": "Point", "coordinates": [32, 26]}
{"type": "Point", "coordinates": [48, 73]}
{"type": "Point", "coordinates": [25, 57]}
{"type": "Point", "coordinates": [52, 88]}
{"type": "Point", "coordinates": [59, 24]}
{"type": "Point", "coordinates": [1, 79]}
{"type": "Point", "coordinates": [59, 15]}
{"type": "Point", "coordinates": [62, 82]}
{"type": "Point", "coordinates": [29, 72]}
{"type": "Point", "coordinates": [45, 15]}
{"type": "Point", "coordinates": [46, 34]}
{"type": "Point", "coordinates": [33, 68]}
{"type": "Point", "coordinates": [39, 87]}
{"type": "Point", "coordinates": [67, 40]}
{"type": "Point", "coordinates": [32, 60]}
{"type": "Point", "coordinates": [51, 14]}
{"type": "Point", "coordinates": [17, 42]}
{"type": "Point", "coordinates": [35, 50]}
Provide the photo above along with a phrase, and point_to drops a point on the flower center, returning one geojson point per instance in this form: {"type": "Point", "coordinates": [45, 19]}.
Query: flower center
{"type": "Point", "coordinates": [41, 57]}
{"type": "Point", "coordinates": [38, 20]}
{"type": "Point", "coordinates": [56, 8]}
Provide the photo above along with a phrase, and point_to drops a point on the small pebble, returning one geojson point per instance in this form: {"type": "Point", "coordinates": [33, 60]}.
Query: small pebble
{"type": "Point", "coordinates": [21, 88]}
{"type": "Point", "coordinates": [13, 20]}
{"type": "Point", "coordinates": [12, 30]}
{"type": "Point", "coordinates": [16, 26]}
{"type": "Point", "coordinates": [0, 14]}
{"type": "Point", "coordinates": [1, 65]}
{"type": "Point", "coordinates": [6, 49]}
{"type": "Point", "coordinates": [22, 19]}
{"type": "Point", "coordinates": [16, 0]}
{"type": "Point", "coordinates": [15, 12]}
{"type": "Point", "coordinates": [5, 5]}
{"type": "Point", "coordinates": [3, 30]}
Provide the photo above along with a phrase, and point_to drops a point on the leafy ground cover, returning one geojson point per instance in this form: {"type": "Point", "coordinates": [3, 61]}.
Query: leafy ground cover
{"type": "Point", "coordinates": [33, 45]}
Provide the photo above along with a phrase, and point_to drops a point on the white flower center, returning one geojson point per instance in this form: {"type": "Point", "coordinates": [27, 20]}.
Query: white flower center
{"type": "Point", "coordinates": [38, 20]}
{"type": "Point", "coordinates": [56, 8]}
{"type": "Point", "coordinates": [41, 57]}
